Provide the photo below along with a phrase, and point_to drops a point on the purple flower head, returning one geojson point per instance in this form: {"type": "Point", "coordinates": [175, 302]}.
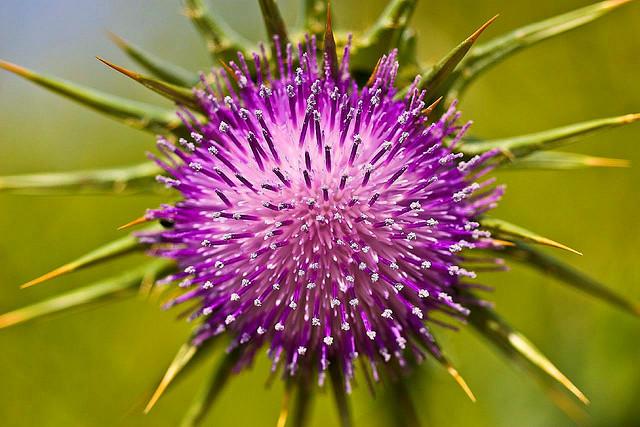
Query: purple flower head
{"type": "Point", "coordinates": [319, 218]}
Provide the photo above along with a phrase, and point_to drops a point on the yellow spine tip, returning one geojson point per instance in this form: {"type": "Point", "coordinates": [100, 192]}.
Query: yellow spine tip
{"type": "Point", "coordinates": [14, 68]}
{"type": "Point", "coordinates": [136, 221]}
{"type": "Point", "coordinates": [630, 118]}
{"type": "Point", "coordinates": [461, 382]}
{"type": "Point", "coordinates": [473, 37]}
{"type": "Point", "coordinates": [67, 268]}
{"type": "Point", "coordinates": [10, 319]}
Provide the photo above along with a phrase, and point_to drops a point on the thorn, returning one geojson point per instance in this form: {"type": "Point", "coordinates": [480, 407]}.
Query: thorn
{"type": "Point", "coordinates": [136, 221]}
{"type": "Point", "coordinates": [553, 243]}
{"type": "Point", "coordinates": [498, 242]}
{"type": "Point", "coordinates": [473, 37]}
{"type": "Point", "coordinates": [67, 268]}
{"type": "Point", "coordinates": [229, 71]}
{"type": "Point", "coordinates": [432, 107]}
{"type": "Point", "coordinates": [518, 342]}
{"type": "Point", "coordinates": [630, 118]}
{"type": "Point", "coordinates": [616, 3]}
{"type": "Point", "coordinates": [608, 163]}
{"type": "Point", "coordinates": [126, 72]}
{"type": "Point", "coordinates": [117, 40]}
{"type": "Point", "coordinates": [284, 409]}
{"type": "Point", "coordinates": [461, 382]}
{"type": "Point", "coordinates": [14, 68]}
{"type": "Point", "coordinates": [10, 319]}
{"type": "Point", "coordinates": [372, 78]}
{"type": "Point", "coordinates": [329, 47]}
{"type": "Point", "coordinates": [171, 373]}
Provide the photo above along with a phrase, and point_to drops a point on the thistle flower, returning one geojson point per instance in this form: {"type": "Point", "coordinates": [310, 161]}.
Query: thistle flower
{"type": "Point", "coordinates": [320, 219]}
{"type": "Point", "coordinates": [328, 205]}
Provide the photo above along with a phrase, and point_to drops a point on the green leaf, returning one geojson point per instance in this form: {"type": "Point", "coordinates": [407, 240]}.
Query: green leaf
{"type": "Point", "coordinates": [210, 391]}
{"type": "Point", "coordinates": [222, 42]}
{"type": "Point", "coordinates": [114, 249]}
{"type": "Point", "coordinates": [273, 22]}
{"type": "Point", "coordinates": [520, 146]}
{"type": "Point", "coordinates": [126, 180]}
{"type": "Point", "coordinates": [112, 288]}
{"type": "Point", "coordinates": [556, 160]}
{"type": "Point", "coordinates": [433, 79]}
{"type": "Point", "coordinates": [340, 396]}
{"type": "Point", "coordinates": [164, 70]}
{"type": "Point", "coordinates": [553, 267]}
{"type": "Point", "coordinates": [519, 349]}
{"type": "Point", "coordinates": [135, 114]}
{"type": "Point", "coordinates": [495, 51]}
{"type": "Point", "coordinates": [177, 94]}
{"type": "Point", "coordinates": [506, 230]}
{"type": "Point", "coordinates": [314, 13]}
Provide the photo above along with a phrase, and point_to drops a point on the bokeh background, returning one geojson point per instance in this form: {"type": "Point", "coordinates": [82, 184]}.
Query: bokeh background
{"type": "Point", "coordinates": [97, 367]}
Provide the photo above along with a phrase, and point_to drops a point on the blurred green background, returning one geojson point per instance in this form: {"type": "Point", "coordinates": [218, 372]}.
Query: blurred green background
{"type": "Point", "coordinates": [97, 367]}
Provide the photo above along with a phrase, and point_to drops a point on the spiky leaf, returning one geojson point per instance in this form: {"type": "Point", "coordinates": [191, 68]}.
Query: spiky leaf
{"type": "Point", "coordinates": [164, 70]}
{"type": "Point", "coordinates": [126, 180]}
{"type": "Point", "coordinates": [439, 357]}
{"type": "Point", "coordinates": [556, 160]}
{"type": "Point", "coordinates": [113, 288]}
{"type": "Point", "coordinates": [520, 146]}
{"type": "Point", "coordinates": [104, 253]}
{"type": "Point", "coordinates": [506, 230]}
{"type": "Point", "coordinates": [178, 94]}
{"type": "Point", "coordinates": [489, 54]}
{"type": "Point", "coordinates": [553, 267]}
{"type": "Point", "coordinates": [185, 359]}
{"type": "Point", "coordinates": [135, 114]}
{"type": "Point", "coordinates": [329, 48]}
{"type": "Point", "coordinates": [519, 349]}
{"type": "Point", "coordinates": [438, 74]}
